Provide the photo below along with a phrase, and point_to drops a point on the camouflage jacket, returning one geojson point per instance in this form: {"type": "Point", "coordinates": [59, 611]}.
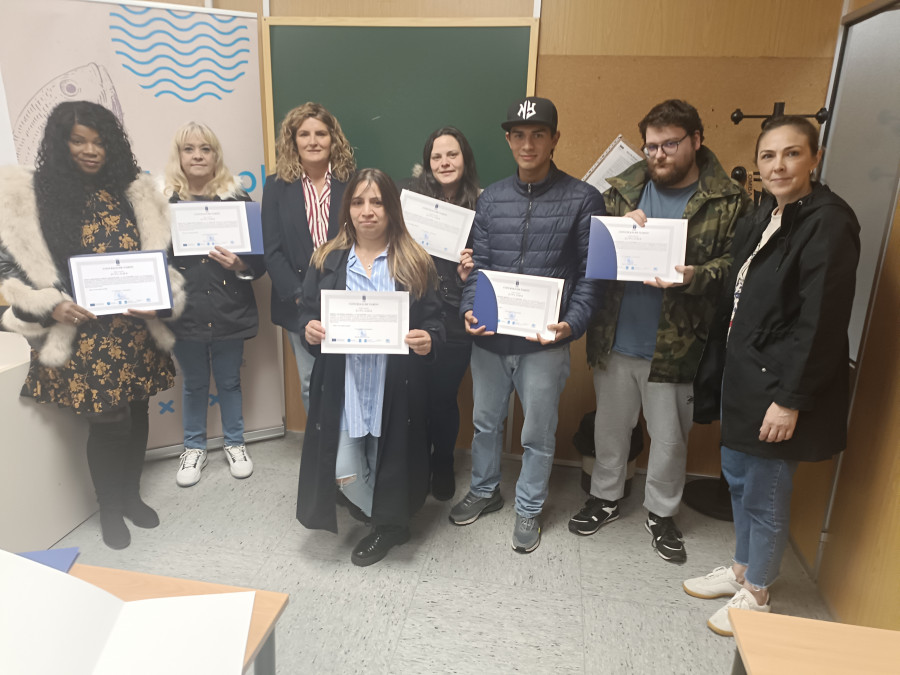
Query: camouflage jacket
{"type": "Point", "coordinates": [686, 310]}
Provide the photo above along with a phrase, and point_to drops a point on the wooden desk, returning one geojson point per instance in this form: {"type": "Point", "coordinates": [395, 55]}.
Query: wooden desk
{"type": "Point", "coordinates": [267, 605]}
{"type": "Point", "coordinates": [770, 644]}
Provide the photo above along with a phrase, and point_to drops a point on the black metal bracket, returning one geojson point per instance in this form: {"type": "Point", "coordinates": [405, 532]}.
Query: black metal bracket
{"type": "Point", "coordinates": [821, 116]}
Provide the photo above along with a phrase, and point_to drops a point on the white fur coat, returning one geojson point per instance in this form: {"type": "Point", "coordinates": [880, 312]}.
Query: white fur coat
{"type": "Point", "coordinates": [23, 243]}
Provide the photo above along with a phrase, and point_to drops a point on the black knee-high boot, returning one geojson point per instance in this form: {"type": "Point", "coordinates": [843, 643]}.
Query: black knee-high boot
{"type": "Point", "coordinates": [134, 507]}
{"type": "Point", "coordinates": [106, 449]}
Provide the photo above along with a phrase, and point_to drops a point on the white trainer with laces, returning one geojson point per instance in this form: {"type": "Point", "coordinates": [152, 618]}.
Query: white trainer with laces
{"type": "Point", "coordinates": [239, 461]}
{"type": "Point", "coordinates": [720, 583]}
{"type": "Point", "coordinates": [720, 622]}
{"type": "Point", "coordinates": [192, 462]}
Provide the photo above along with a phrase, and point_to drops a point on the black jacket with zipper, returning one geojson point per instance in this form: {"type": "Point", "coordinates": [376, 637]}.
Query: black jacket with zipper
{"type": "Point", "coordinates": [788, 342]}
{"type": "Point", "coordinates": [220, 304]}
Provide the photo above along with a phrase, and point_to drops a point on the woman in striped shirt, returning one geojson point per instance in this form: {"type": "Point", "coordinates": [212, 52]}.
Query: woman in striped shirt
{"type": "Point", "coordinates": [299, 213]}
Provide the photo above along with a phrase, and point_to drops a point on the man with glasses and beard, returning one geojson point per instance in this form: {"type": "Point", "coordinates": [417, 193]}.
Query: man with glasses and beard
{"type": "Point", "coordinates": [645, 341]}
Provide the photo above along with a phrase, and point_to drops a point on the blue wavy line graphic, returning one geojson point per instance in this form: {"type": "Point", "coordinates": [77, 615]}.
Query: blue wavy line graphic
{"type": "Point", "coordinates": [178, 40]}
{"type": "Point", "coordinates": [187, 100]}
{"type": "Point", "coordinates": [180, 29]}
{"type": "Point", "coordinates": [186, 77]}
{"type": "Point", "coordinates": [183, 88]}
{"type": "Point", "coordinates": [165, 45]}
{"type": "Point", "coordinates": [193, 51]}
{"type": "Point", "coordinates": [179, 63]}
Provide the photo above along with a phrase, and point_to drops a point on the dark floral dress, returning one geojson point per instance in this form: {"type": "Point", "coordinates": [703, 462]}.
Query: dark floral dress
{"type": "Point", "coordinates": [115, 359]}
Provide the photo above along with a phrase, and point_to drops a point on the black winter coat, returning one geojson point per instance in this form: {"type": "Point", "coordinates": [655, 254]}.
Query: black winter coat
{"type": "Point", "coordinates": [220, 304]}
{"type": "Point", "coordinates": [401, 475]}
{"type": "Point", "coordinates": [788, 343]}
{"type": "Point", "coordinates": [289, 245]}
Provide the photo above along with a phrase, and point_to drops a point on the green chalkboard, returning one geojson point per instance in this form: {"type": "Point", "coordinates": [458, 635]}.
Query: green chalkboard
{"type": "Point", "coordinates": [391, 86]}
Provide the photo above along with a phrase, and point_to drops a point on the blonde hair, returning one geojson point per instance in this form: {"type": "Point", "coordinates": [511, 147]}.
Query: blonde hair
{"type": "Point", "coordinates": [220, 185]}
{"type": "Point", "coordinates": [287, 164]}
{"type": "Point", "coordinates": [409, 264]}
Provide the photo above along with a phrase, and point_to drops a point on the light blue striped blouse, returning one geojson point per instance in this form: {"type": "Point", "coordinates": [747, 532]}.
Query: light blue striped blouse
{"type": "Point", "coordinates": [364, 373]}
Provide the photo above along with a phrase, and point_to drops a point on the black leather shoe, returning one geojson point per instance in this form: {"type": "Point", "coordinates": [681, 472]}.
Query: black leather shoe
{"type": "Point", "coordinates": [443, 484]}
{"type": "Point", "coordinates": [376, 545]}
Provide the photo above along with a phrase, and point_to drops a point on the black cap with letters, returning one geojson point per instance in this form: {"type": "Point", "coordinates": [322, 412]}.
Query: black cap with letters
{"type": "Point", "coordinates": [531, 110]}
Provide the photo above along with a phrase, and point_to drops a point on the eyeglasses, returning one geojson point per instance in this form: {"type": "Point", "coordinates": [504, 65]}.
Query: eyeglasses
{"type": "Point", "coordinates": [668, 148]}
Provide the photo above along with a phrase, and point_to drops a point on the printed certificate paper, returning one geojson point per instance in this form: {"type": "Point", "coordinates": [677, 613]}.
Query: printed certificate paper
{"type": "Point", "coordinates": [198, 227]}
{"type": "Point", "coordinates": [621, 249]}
{"type": "Point", "coordinates": [363, 322]}
{"type": "Point", "coordinates": [440, 228]}
{"type": "Point", "coordinates": [614, 160]}
{"type": "Point", "coordinates": [517, 304]}
{"type": "Point", "coordinates": [110, 283]}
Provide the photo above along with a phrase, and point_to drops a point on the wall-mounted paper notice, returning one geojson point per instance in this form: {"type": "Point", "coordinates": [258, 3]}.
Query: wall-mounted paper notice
{"type": "Point", "coordinates": [614, 160]}
{"type": "Point", "coordinates": [54, 623]}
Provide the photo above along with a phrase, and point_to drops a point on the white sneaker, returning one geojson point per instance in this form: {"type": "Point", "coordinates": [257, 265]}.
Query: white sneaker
{"type": "Point", "coordinates": [743, 599]}
{"type": "Point", "coordinates": [239, 461]}
{"type": "Point", "coordinates": [192, 462]}
{"type": "Point", "coordinates": [720, 583]}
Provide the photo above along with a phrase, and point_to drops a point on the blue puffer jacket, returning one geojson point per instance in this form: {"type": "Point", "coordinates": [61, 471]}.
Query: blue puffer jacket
{"type": "Point", "coordinates": [540, 229]}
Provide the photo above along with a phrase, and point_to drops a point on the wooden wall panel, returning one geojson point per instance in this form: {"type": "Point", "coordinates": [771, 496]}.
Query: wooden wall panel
{"type": "Point", "coordinates": [861, 561]}
{"type": "Point", "coordinates": [601, 96]}
{"type": "Point", "coordinates": [812, 489]}
{"type": "Point", "coordinates": [294, 413]}
{"type": "Point", "coordinates": [240, 5]}
{"type": "Point", "coordinates": [776, 28]}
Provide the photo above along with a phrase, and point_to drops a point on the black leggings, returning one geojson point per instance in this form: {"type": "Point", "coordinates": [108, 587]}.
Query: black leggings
{"type": "Point", "coordinates": [116, 444]}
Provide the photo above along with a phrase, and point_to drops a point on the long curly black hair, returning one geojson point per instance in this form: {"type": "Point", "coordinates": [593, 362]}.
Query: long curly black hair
{"type": "Point", "coordinates": [62, 189]}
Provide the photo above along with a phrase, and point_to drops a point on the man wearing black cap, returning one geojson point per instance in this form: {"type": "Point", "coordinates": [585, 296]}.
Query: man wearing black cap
{"type": "Point", "coordinates": [536, 222]}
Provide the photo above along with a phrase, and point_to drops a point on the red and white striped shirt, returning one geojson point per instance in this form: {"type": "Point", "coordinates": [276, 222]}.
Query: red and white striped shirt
{"type": "Point", "coordinates": [318, 208]}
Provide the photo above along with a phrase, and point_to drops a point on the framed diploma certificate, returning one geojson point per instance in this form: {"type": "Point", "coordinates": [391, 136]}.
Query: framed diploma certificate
{"type": "Point", "coordinates": [517, 304]}
{"type": "Point", "coordinates": [198, 227]}
{"type": "Point", "coordinates": [439, 227]}
{"type": "Point", "coordinates": [621, 249]}
{"type": "Point", "coordinates": [363, 322]}
{"type": "Point", "coordinates": [110, 283]}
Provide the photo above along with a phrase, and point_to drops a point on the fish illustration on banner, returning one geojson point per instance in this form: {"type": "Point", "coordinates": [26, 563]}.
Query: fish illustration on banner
{"type": "Point", "coordinates": [90, 82]}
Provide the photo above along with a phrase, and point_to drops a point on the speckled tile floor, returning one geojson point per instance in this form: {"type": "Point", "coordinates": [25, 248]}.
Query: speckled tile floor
{"type": "Point", "coordinates": [454, 599]}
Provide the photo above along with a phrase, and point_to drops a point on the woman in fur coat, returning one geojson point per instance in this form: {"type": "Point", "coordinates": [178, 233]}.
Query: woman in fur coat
{"type": "Point", "coordinates": [87, 195]}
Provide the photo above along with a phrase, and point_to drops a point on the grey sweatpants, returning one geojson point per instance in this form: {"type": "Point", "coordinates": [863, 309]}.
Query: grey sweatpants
{"type": "Point", "coordinates": [622, 389]}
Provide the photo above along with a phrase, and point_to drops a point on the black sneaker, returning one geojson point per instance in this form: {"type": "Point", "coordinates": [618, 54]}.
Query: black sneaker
{"type": "Point", "coordinates": [667, 539]}
{"type": "Point", "coordinates": [595, 514]}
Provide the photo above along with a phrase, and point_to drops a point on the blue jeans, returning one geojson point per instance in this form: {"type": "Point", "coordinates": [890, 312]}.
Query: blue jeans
{"type": "Point", "coordinates": [194, 360]}
{"type": "Point", "coordinates": [356, 458]}
{"type": "Point", "coordinates": [761, 502]}
{"type": "Point", "coordinates": [538, 379]}
{"type": "Point", "coordinates": [305, 362]}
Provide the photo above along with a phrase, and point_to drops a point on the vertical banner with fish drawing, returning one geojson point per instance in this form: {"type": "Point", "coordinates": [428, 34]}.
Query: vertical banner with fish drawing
{"type": "Point", "coordinates": [155, 67]}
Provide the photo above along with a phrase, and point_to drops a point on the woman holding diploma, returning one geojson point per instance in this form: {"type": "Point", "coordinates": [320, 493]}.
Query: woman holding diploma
{"type": "Point", "coordinates": [366, 434]}
{"type": "Point", "coordinates": [220, 312]}
{"type": "Point", "coordinates": [87, 195]}
{"type": "Point", "coordinates": [776, 364]}
{"type": "Point", "coordinates": [449, 174]}
{"type": "Point", "coordinates": [299, 213]}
